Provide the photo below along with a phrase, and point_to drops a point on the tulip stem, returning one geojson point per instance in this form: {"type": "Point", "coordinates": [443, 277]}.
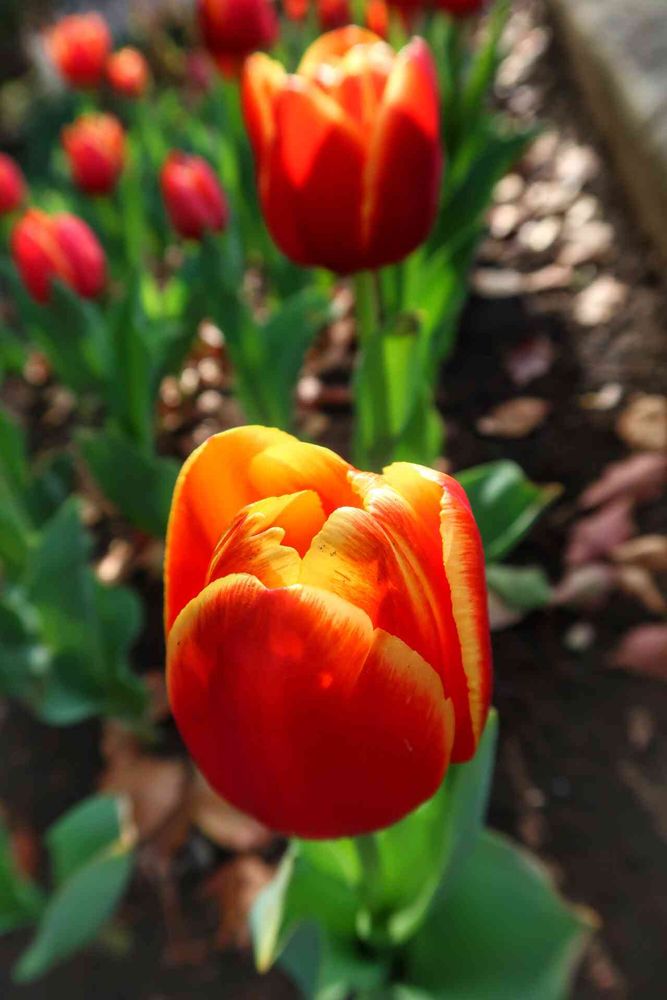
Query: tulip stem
{"type": "Point", "coordinates": [371, 870]}
{"type": "Point", "coordinates": [372, 399]}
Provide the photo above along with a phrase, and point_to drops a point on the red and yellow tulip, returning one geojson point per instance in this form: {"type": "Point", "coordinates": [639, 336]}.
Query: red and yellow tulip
{"type": "Point", "coordinates": [95, 148]}
{"type": "Point", "coordinates": [328, 644]}
{"type": "Point", "coordinates": [128, 73]}
{"type": "Point", "coordinates": [61, 246]}
{"type": "Point", "coordinates": [347, 149]}
{"type": "Point", "coordinates": [79, 45]}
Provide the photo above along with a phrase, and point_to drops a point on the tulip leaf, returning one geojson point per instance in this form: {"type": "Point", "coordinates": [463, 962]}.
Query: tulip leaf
{"type": "Point", "coordinates": [92, 862]}
{"type": "Point", "coordinates": [505, 504]}
{"type": "Point", "coordinates": [143, 492]}
{"type": "Point", "coordinates": [21, 900]}
{"type": "Point", "coordinates": [15, 525]}
{"type": "Point", "coordinates": [523, 587]}
{"type": "Point", "coordinates": [72, 332]}
{"type": "Point", "coordinates": [502, 932]}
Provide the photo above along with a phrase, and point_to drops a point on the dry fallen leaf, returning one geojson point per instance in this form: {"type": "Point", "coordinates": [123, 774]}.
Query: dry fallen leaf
{"type": "Point", "coordinates": [649, 551]}
{"type": "Point", "coordinates": [599, 302]}
{"type": "Point", "coordinates": [514, 419]}
{"type": "Point", "coordinates": [235, 886]}
{"type": "Point", "coordinates": [643, 650]}
{"type": "Point", "coordinates": [586, 586]}
{"type": "Point", "coordinates": [596, 535]}
{"type": "Point", "coordinates": [643, 423]}
{"type": "Point", "coordinates": [530, 359]}
{"type": "Point", "coordinates": [222, 823]}
{"type": "Point", "coordinates": [586, 244]}
{"type": "Point", "coordinates": [639, 477]}
{"type": "Point", "coordinates": [638, 582]}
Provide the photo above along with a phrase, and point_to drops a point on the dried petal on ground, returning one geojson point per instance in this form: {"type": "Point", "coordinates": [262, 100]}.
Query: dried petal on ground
{"type": "Point", "coordinates": [509, 188]}
{"type": "Point", "coordinates": [586, 244]}
{"type": "Point", "coordinates": [596, 535]}
{"type": "Point", "coordinates": [539, 235]}
{"type": "Point", "coordinates": [649, 551]}
{"type": "Point", "coordinates": [643, 650]}
{"type": "Point", "coordinates": [235, 886]}
{"type": "Point", "coordinates": [575, 164]}
{"type": "Point", "coordinates": [638, 582]}
{"type": "Point", "coordinates": [599, 302]}
{"type": "Point", "coordinates": [639, 477]}
{"type": "Point", "coordinates": [222, 823]}
{"type": "Point", "coordinates": [530, 359]}
{"type": "Point", "coordinates": [117, 563]}
{"type": "Point", "coordinates": [605, 398]}
{"type": "Point", "coordinates": [503, 220]}
{"type": "Point", "coordinates": [585, 587]}
{"type": "Point", "coordinates": [643, 423]}
{"type": "Point", "coordinates": [158, 791]}
{"type": "Point", "coordinates": [515, 418]}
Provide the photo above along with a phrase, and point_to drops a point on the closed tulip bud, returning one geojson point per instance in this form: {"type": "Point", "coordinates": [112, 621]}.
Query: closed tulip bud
{"type": "Point", "coordinates": [12, 184]}
{"type": "Point", "coordinates": [192, 194]}
{"type": "Point", "coordinates": [128, 72]}
{"type": "Point", "coordinates": [232, 29]}
{"type": "Point", "coordinates": [333, 14]}
{"type": "Point", "coordinates": [328, 642]}
{"type": "Point", "coordinates": [347, 150]}
{"type": "Point", "coordinates": [455, 8]}
{"type": "Point", "coordinates": [45, 247]}
{"type": "Point", "coordinates": [95, 148]}
{"type": "Point", "coordinates": [296, 10]}
{"type": "Point", "coordinates": [377, 17]}
{"type": "Point", "coordinates": [79, 46]}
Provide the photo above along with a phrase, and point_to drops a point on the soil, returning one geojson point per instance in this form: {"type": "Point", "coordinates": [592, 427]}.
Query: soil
{"type": "Point", "coordinates": [583, 754]}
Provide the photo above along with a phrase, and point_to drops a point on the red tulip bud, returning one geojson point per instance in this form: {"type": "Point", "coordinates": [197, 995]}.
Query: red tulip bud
{"type": "Point", "coordinates": [95, 148]}
{"type": "Point", "coordinates": [333, 14]}
{"type": "Point", "coordinates": [12, 184]}
{"type": "Point", "coordinates": [193, 196]}
{"type": "Point", "coordinates": [232, 29]}
{"type": "Point", "coordinates": [79, 46]}
{"type": "Point", "coordinates": [61, 246]}
{"type": "Point", "coordinates": [128, 72]}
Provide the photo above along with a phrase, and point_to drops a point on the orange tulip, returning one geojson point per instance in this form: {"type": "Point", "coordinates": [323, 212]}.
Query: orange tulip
{"type": "Point", "coordinates": [128, 72]}
{"type": "Point", "coordinates": [328, 643]}
{"type": "Point", "coordinates": [79, 45]}
{"type": "Point", "coordinates": [347, 150]}
{"type": "Point", "coordinates": [95, 148]}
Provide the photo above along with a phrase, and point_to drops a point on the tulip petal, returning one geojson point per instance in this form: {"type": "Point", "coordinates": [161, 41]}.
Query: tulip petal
{"type": "Point", "coordinates": [302, 715]}
{"type": "Point", "coordinates": [405, 162]}
{"type": "Point", "coordinates": [262, 80]}
{"type": "Point", "coordinates": [212, 487]}
{"type": "Point", "coordinates": [332, 46]}
{"type": "Point", "coordinates": [291, 465]}
{"type": "Point", "coordinates": [440, 502]}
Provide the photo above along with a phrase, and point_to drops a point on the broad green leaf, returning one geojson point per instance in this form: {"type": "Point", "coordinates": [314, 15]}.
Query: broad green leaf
{"type": "Point", "coordinates": [13, 453]}
{"type": "Point", "coordinates": [83, 833]}
{"type": "Point", "coordinates": [15, 525]}
{"type": "Point", "coordinates": [505, 504]}
{"type": "Point", "coordinates": [119, 620]}
{"type": "Point", "coordinates": [21, 900]}
{"type": "Point", "coordinates": [130, 386]}
{"type": "Point", "coordinates": [524, 587]}
{"type": "Point", "coordinates": [143, 491]}
{"type": "Point", "coordinates": [76, 912]}
{"type": "Point", "coordinates": [72, 332]}
{"type": "Point", "coordinates": [51, 485]}
{"type": "Point", "coordinates": [502, 931]}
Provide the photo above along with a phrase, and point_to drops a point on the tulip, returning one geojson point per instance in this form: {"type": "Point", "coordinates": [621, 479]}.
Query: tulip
{"type": "Point", "coordinates": [333, 14]}
{"type": "Point", "coordinates": [232, 29]}
{"type": "Point", "coordinates": [79, 46]}
{"type": "Point", "coordinates": [60, 246]}
{"type": "Point", "coordinates": [455, 8]}
{"type": "Point", "coordinates": [328, 642]}
{"type": "Point", "coordinates": [95, 148]}
{"type": "Point", "coordinates": [296, 10]}
{"type": "Point", "coordinates": [347, 150]}
{"type": "Point", "coordinates": [377, 17]}
{"type": "Point", "coordinates": [128, 73]}
{"type": "Point", "coordinates": [12, 184]}
{"type": "Point", "coordinates": [194, 199]}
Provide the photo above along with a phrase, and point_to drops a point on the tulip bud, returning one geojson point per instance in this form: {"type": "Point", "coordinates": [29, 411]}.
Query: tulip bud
{"type": "Point", "coordinates": [192, 194]}
{"type": "Point", "coordinates": [60, 246]}
{"type": "Point", "coordinates": [327, 631]}
{"type": "Point", "coordinates": [12, 184]}
{"type": "Point", "coordinates": [377, 17]}
{"type": "Point", "coordinates": [333, 14]}
{"type": "Point", "coordinates": [95, 148]}
{"type": "Point", "coordinates": [296, 10]}
{"type": "Point", "coordinates": [128, 72]}
{"type": "Point", "coordinates": [347, 150]}
{"type": "Point", "coordinates": [79, 46]}
{"type": "Point", "coordinates": [232, 29]}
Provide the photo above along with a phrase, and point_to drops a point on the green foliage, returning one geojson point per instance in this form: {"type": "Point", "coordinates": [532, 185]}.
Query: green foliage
{"type": "Point", "coordinates": [91, 858]}
{"type": "Point", "coordinates": [21, 901]}
{"type": "Point", "coordinates": [523, 587]}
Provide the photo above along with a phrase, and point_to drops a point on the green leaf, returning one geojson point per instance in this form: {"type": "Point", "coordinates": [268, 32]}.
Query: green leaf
{"type": "Point", "coordinates": [72, 332]}
{"type": "Point", "coordinates": [51, 485]}
{"type": "Point", "coordinates": [501, 932]}
{"type": "Point", "coordinates": [130, 385]}
{"type": "Point", "coordinates": [143, 491]}
{"type": "Point", "coordinates": [84, 832]}
{"type": "Point", "coordinates": [523, 587]}
{"type": "Point", "coordinates": [505, 504]}
{"type": "Point", "coordinates": [76, 912]}
{"type": "Point", "coordinates": [21, 900]}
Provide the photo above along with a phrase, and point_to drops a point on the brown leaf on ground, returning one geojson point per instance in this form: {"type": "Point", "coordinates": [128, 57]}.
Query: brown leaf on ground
{"type": "Point", "coordinates": [222, 823]}
{"type": "Point", "coordinates": [25, 849]}
{"type": "Point", "coordinates": [158, 700]}
{"type": "Point", "coordinates": [529, 360]}
{"type": "Point", "coordinates": [514, 419]}
{"type": "Point", "coordinates": [643, 423]}
{"type": "Point", "coordinates": [649, 551]}
{"type": "Point", "coordinates": [599, 302]}
{"type": "Point", "coordinates": [585, 587]}
{"type": "Point", "coordinates": [598, 534]}
{"type": "Point", "coordinates": [643, 650]}
{"type": "Point", "coordinates": [235, 886]}
{"type": "Point", "coordinates": [638, 582]}
{"type": "Point", "coordinates": [639, 477]}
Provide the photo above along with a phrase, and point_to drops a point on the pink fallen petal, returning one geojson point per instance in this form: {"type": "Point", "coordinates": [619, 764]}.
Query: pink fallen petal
{"type": "Point", "coordinates": [643, 650]}
{"type": "Point", "coordinates": [640, 477]}
{"type": "Point", "coordinates": [595, 536]}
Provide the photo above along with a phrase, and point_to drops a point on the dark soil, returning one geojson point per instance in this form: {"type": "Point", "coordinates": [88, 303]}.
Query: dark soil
{"type": "Point", "coordinates": [574, 781]}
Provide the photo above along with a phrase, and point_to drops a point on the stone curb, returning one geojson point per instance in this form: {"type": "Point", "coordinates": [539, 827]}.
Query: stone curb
{"type": "Point", "coordinates": [619, 53]}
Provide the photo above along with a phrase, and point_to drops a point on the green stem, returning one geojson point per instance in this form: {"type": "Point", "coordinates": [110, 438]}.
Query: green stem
{"type": "Point", "coordinates": [371, 868]}
{"type": "Point", "coordinates": [372, 403]}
